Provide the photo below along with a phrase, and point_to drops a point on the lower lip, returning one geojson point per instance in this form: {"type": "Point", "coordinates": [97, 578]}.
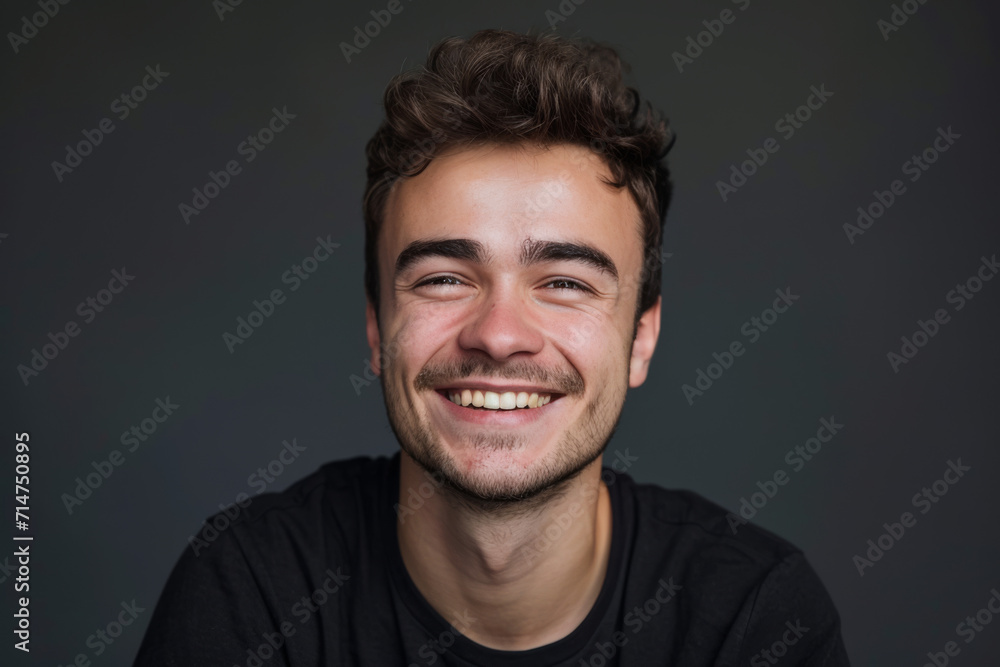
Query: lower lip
{"type": "Point", "coordinates": [515, 417]}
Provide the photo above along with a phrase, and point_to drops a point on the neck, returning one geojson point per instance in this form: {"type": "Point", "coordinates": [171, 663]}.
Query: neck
{"type": "Point", "coordinates": [517, 575]}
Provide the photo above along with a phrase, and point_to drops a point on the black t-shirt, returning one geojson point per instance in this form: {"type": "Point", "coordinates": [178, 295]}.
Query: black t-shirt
{"type": "Point", "coordinates": [313, 576]}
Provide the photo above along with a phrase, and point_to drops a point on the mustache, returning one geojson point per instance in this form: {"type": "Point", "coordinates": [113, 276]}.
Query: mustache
{"type": "Point", "coordinates": [567, 382]}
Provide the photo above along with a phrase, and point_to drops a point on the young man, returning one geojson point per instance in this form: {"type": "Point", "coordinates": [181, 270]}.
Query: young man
{"type": "Point", "coordinates": [514, 210]}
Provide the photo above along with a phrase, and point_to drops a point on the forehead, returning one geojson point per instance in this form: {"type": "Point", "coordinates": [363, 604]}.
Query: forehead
{"type": "Point", "coordinates": [503, 195]}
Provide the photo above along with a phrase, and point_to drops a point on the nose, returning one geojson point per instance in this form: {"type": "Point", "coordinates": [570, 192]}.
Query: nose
{"type": "Point", "coordinates": [501, 325]}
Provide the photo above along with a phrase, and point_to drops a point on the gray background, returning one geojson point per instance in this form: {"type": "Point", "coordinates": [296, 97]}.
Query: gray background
{"type": "Point", "coordinates": [162, 336]}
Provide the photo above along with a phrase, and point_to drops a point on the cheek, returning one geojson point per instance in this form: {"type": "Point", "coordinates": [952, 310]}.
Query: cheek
{"type": "Point", "coordinates": [595, 349]}
{"type": "Point", "coordinates": [417, 335]}
{"type": "Point", "coordinates": [584, 337]}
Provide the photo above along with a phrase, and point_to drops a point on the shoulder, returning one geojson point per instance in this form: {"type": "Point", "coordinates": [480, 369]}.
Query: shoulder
{"type": "Point", "coordinates": [272, 551]}
{"type": "Point", "coordinates": [714, 553]}
{"type": "Point", "coordinates": [315, 514]}
{"type": "Point", "coordinates": [706, 526]}
{"type": "Point", "coordinates": [730, 573]}
{"type": "Point", "coordinates": [356, 477]}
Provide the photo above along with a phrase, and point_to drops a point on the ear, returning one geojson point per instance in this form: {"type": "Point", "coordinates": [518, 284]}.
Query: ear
{"type": "Point", "coordinates": [647, 333]}
{"type": "Point", "coordinates": [374, 337]}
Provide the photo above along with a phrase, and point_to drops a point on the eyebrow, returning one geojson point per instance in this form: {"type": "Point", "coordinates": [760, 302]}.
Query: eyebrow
{"type": "Point", "coordinates": [532, 252]}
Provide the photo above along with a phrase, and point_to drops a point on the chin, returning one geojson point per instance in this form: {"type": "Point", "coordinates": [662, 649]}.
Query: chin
{"type": "Point", "coordinates": [496, 475]}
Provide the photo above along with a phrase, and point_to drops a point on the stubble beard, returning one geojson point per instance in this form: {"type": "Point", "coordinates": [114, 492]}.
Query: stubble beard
{"type": "Point", "coordinates": [504, 492]}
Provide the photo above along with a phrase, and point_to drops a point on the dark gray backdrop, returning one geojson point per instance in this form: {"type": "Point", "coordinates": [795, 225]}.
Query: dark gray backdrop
{"type": "Point", "coordinates": [826, 357]}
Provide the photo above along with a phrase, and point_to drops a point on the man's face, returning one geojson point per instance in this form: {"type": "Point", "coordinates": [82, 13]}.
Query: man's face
{"type": "Point", "coordinates": [508, 272]}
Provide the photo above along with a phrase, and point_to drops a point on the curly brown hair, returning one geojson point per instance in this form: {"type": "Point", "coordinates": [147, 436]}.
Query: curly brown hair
{"type": "Point", "coordinates": [506, 88]}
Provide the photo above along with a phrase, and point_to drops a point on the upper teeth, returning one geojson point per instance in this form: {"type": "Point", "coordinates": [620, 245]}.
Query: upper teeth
{"type": "Point", "coordinates": [492, 400]}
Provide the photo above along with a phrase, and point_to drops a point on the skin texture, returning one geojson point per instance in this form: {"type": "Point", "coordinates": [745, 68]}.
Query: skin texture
{"type": "Point", "coordinates": [473, 548]}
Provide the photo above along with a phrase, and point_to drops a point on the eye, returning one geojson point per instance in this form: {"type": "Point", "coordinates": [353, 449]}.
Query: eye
{"type": "Point", "coordinates": [440, 280]}
{"type": "Point", "coordinates": [567, 284]}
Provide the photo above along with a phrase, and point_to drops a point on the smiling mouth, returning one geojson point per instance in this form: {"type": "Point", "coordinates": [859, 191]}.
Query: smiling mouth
{"type": "Point", "coordinates": [476, 399]}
